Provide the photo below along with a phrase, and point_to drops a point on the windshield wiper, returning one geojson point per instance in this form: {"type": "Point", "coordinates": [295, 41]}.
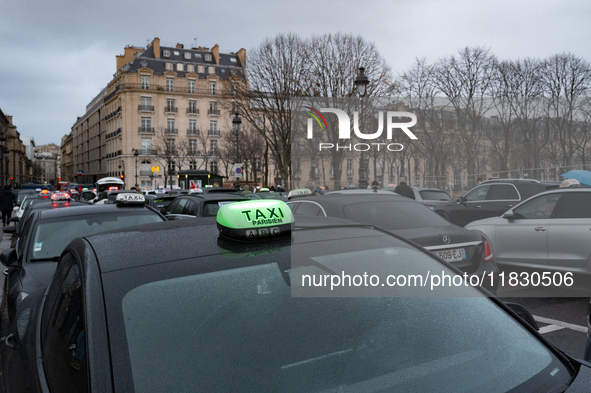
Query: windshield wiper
{"type": "Point", "coordinates": [54, 259]}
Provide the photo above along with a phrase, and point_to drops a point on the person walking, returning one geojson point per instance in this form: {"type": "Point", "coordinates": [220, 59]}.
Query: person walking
{"type": "Point", "coordinates": [7, 199]}
{"type": "Point", "coordinates": [246, 190]}
{"type": "Point", "coordinates": [403, 189]}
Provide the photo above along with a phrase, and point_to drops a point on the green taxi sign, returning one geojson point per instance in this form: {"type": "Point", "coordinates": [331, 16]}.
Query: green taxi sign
{"type": "Point", "coordinates": [251, 220]}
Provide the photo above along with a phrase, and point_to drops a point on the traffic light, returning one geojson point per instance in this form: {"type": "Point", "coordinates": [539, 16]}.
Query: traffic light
{"type": "Point", "coordinates": [11, 178]}
{"type": "Point", "coordinates": [122, 176]}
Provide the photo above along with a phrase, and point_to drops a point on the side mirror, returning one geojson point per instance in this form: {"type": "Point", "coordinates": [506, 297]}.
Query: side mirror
{"type": "Point", "coordinates": [14, 219]}
{"type": "Point", "coordinates": [461, 199]}
{"type": "Point", "coordinates": [10, 230]}
{"type": "Point", "coordinates": [508, 215]}
{"type": "Point", "coordinates": [523, 313]}
{"type": "Point", "coordinates": [8, 257]}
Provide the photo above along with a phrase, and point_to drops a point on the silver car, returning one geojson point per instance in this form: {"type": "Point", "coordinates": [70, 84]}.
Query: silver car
{"type": "Point", "coordinates": [550, 230]}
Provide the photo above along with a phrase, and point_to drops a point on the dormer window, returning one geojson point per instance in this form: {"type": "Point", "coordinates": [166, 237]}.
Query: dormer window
{"type": "Point", "coordinates": [168, 66]}
{"type": "Point", "coordinates": [187, 55]}
{"type": "Point", "coordinates": [166, 53]}
{"type": "Point", "coordinates": [190, 68]}
{"type": "Point", "coordinates": [179, 67]}
{"type": "Point", "coordinates": [177, 53]}
{"type": "Point", "coordinates": [233, 59]}
{"type": "Point", "coordinates": [208, 57]}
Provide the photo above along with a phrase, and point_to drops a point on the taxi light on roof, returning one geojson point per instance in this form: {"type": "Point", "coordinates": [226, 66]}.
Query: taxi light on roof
{"type": "Point", "coordinates": [130, 199]}
{"type": "Point", "coordinates": [251, 220]}
{"type": "Point", "coordinates": [113, 188]}
{"type": "Point", "coordinates": [299, 192]}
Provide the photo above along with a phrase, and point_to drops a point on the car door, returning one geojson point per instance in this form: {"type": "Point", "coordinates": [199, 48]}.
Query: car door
{"type": "Point", "coordinates": [500, 198]}
{"type": "Point", "coordinates": [569, 235]}
{"type": "Point", "coordinates": [465, 211]}
{"type": "Point", "coordinates": [523, 239]}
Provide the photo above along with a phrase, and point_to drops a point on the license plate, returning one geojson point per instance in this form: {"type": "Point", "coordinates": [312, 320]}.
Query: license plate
{"type": "Point", "coordinates": [454, 255]}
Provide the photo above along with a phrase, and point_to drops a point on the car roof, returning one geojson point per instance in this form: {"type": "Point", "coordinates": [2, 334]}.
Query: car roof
{"type": "Point", "coordinates": [160, 196]}
{"type": "Point", "coordinates": [90, 209]}
{"type": "Point", "coordinates": [135, 246]}
{"type": "Point", "coordinates": [215, 197]}
{"type": "Point", "coordinates": [354, 191]}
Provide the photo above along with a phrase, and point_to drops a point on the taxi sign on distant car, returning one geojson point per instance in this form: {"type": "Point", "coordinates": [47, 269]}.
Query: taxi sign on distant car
{"type": "Point", "coordinates": [299, 192]}
{"type": "Point", "coordinates": [250, 220]}
{"type": "Point", "coordinates": [130, 199]}
{"type": "Point", "coordinates": [60, 196]}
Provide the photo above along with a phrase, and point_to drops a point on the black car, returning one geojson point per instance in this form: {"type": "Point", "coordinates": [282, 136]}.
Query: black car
{"type": "Point", "coordinates": [412, 220]}
{"type": "Point", "coordinates": [199, 205]}
{"type": "Point", "coordinates": [228, 313]}
{"type": "Point", "coordinates": [282, 196]}
{"type": "Point", "coordinates": [160, 201]}
{"type": "Point", "coordinates": [45, 234]}
{"type": "Point", "coordinates": [490, 199]}
{"type": "Point", "coordinates": [24, 193]}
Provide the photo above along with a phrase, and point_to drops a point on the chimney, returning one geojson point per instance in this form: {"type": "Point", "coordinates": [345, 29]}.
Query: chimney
{"type": "Point", "coordinates": [128, 55]}
{"type": "Point", "coordinates": [180, 46]}
{"type": "Point", "coordinates": [156, 45]}
{"type": "Point", "coordinates": [216, 53]}
{"type": "Point", "coordinates": [242, 57]}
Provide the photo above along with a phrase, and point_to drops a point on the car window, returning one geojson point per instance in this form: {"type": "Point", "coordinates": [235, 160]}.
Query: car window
{"type": "Point", "coordinates": [190, 208]}
{"type": "Point", "coordinates": [24, 236]}
{"type": "Point", "coordinates": [477, 194]}
{"type": "Point", "coordinates": [502, 192]}
{"type": "Point", "coordinates": [178, 209]}
{"type": "Point", "coordinates": [394, 216]}
{"type": "Point", "coordinates": [63, 334]}
{"type": "Point", "coordinates": [577, 205]}
{"type": "Point", "coordinates": [538, 208]}
{"type": "Point", "coordinates": [210, 209]}
{"type": "Point", "coordinates": [308, 209]}
{"type": "Point", "coordinates": [432, 195]}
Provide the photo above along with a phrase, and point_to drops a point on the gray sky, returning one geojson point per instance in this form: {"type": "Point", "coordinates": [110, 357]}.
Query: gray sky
{"type": "Point", "coordinates": [57, 55]}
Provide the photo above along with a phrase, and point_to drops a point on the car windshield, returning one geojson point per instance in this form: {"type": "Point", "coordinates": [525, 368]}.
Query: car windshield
{"type": "Point", "coordinates": [210, 209]}
{"type": "Point", "coordinates": [433, 195]}
{"type": "Point", "coordinates": [394, 215]}
{"type": "Point", "coordinates": [52, 236]}
{"type": "Point", "coordinates": [243, 330]}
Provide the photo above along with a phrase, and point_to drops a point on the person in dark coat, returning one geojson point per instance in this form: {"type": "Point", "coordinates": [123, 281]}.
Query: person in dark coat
{"type": "Point", "coordinates": [403, 189]}
{"type": "Point", "coordinates": [7, 199]}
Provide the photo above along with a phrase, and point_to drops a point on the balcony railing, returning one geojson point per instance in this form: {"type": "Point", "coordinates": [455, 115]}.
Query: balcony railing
{"type": "Point", "coordinates": [146, 130]}
{"type": "Point", "coordinates": [192, 131]}
{"type": "Point", "coordinates": [213, 132]}
{"type": "Point", "coordinates": [172, 131]}
{"type": "Point", "coordinates": [148, 152]}
{"type": "Point", "coordinates": [170, 109]}
{"type": "Point", "coordinates": [145, 108]}
{"type": "Point", "coordinates": [192, 111]}
{"type": "Point", "coordinates": [213, 112]}
{"type": "Point", "coordinates": [153, 87]}
{"type": "Point", "coordinates": [145, 173]}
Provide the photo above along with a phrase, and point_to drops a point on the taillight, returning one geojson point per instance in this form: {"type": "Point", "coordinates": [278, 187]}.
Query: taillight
{"type": "Point", "coordinates": [488, 255]}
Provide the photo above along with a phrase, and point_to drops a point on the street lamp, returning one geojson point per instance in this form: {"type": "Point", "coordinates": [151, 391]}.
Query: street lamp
{"type": "Point", "coordinates": [2, 143]}
{"type": "Point", "coordinates": [361, 82]}
{"type": "Point", "coordinates": [135, 154]}
{"type": "Point", "coordinates": [236, 122]}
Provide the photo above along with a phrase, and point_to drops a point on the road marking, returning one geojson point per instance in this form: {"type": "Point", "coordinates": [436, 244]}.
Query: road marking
{"type": "Point", "coordinates": [549, 328]}
{"type": "Point", "coordinates": [571, 326]}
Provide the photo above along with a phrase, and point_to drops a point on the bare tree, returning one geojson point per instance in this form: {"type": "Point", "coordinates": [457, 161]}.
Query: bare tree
{"type": "Point", "coordinates": [169, 152]}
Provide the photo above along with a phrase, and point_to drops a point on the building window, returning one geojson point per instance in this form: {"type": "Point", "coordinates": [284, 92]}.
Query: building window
{"type": "Point", "coordinates": [177, 53]}
{"type": "Point", "coordinates": [213, 128]}
{"type": "Point", "coordinates": [207, 57]}
{"type": "Point", "coordinates": [211, 70]}
{"type": "Point", "coordinates": [201, 69]}
{"type": "Point", "coordinates": [213, 106]}
{"type": "Point", "coordinates": [193, 147]}
{"type": "Point", "coordinates": [213, 167]}
{"type": "Point", "coordinates": [171, 167]}
{"type": "Point", "coordinates": [168, 66]}
{"type": "Point", "coordinates": [192, 125]}
{"type": "Point", "coordinates": [180, 67]}
{"type": "Point", "coordinates": [233, 59]}
{"type": "Point", "coordinates": [212, 88]}
{"type": "Point", "coordinates": [146, 123]}
{"type": "Point", "coordinates": [349, 166]}
{"type": "Point", "coordinates": [190, 68]}
{"type": "Point", "coordinates": [192, 106]}
{"type": "Point", "coordinates": [169, 84]}
{"type": "Point", "coordinates": [166, 53]}
{"type": "Point", "coordinates": [170, 105]}
{"type": "Point", "coordinates": [170, 123]}
{"type": "Point", "coordinates": [191, 86]}
{"type": "Point", "coordinates": [192, 165]}
{"type": "Point", "coordinates": [146, 146]}
{"type": "Point", "coordinates": [171, 146]}
{"type": "Point", "coordinates": [257, 121]}
{"type": "Point", "coordinates": [213, 147]}
{"type": "Point", "coordinates": [187, 55]}
{"type": "Point", "coordinates": [145, 82]}
{"type": "Point", "coordinates": [146, 104]}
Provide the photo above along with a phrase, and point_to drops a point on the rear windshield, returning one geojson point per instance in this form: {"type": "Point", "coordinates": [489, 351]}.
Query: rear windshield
{"type": "Point", "coordinates": [433, 195]}
{"type": "Point", "coordinates": [394, 215]}
{"type": "Point", "coordinates": [52, 236]}
{"type": "Point", "coordinates": [210, 209]}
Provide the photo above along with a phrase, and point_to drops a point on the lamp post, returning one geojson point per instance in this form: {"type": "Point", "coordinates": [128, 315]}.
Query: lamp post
{"type": "Point", "coordinates": [135, 154]}
{"type": "Point", "coordinates": [2, 143]}
{"type": "Point", "coordinates": [361, 82]}
{"type": "Point", "coordinates": [236, 122]}
{"type": "Point", "coordinates": [120, 177]}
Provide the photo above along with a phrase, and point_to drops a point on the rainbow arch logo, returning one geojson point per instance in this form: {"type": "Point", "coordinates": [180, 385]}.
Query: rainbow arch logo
{"type": "Point", "coordinates": [316, 115]}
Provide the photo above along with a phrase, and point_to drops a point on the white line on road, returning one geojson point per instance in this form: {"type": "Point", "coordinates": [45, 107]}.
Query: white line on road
{"type": "Point", "coordinates": [567, 325]}
{"type": "Point", "coordinates": [549, 328]}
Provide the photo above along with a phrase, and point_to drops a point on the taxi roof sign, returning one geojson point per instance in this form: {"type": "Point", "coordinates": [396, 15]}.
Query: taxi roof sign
{"type": "Point", "coordinates": [299, 192]}
{"type": "Point", "coordinates": [130, 199]}
{"type": "Point", "coordinates": [251, 220]}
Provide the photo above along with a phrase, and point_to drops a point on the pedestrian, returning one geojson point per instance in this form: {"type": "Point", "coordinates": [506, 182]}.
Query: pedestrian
{"type": "Point", "coordinates": [272, 188]}
{"type": "Point", "coordinates": [478, 181]}
{"type": "Point", "coordinates": [403, 189]}
{"type": "Point", "coordinates": [246, 190]}
{"type": "Point", "coordinates": [375, 185]}
{"type": "Point", "coordinates": [7, 199]}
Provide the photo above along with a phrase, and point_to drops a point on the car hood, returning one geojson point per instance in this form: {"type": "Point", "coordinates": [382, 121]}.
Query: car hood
{"type": "Point", "coordinates": [485, 221]}
{"type": "Point", "coordinates": [433, 236]}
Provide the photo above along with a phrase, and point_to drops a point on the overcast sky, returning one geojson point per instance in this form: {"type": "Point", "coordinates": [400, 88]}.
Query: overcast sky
{"type": "Point", "coordinates": [57, 55]}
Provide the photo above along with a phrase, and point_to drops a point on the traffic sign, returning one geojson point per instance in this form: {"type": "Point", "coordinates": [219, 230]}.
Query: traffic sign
{"type": "Point", "coordinates": [236, 170]}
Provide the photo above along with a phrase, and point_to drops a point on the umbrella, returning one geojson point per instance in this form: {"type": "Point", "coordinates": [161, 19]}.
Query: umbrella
{"type": "Point", "coordinates": [584, 177]}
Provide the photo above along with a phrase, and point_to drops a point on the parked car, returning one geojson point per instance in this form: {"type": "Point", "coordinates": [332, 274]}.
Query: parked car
{"type": "Point", "coordinates": [549, 231]}
{"type": "Point", "coordinates": [122, 314]}
{"type": "Point", "coordinates": [161, 201]}
{"type": "Point", "coordinates": [490, 199]}
{"type": "Point", "coordinates": [200, 205]}
{"type": "Point", "coordinates": [428, 196]}
{"type": "Point", "coordinates": [408, 219]}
